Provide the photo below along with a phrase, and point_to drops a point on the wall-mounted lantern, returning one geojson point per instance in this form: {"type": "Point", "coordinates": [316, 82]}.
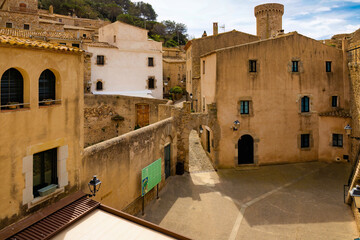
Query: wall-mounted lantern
{"type": "Point", "coordinates": [94, 186]}
{"type": "Point", "coordinates": [235, 125]}
{"type": "Point", "coordinates": [355, 193]}
{"type": "Point", "coordinates": [166, 83]}
{"type": "Point", "coordinates": [201, 130]}
{"type": "Point", "coordinates": [348, 130]}
{"type": "Point", "coordinates": [191, 95]}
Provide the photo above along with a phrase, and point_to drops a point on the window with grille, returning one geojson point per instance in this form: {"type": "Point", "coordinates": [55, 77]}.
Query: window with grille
{"type": "Point", "coordinates": [305, 104]}
{"type": "Point", "coordinates": [337, 140]}
{"type": "Point", "coordinates": [305, 140]}
{"type": "Point", "coordinates": [100, 60]}
{"type": "Point", "coordinates": [151, 83]}
{"type": "Point", "coordinates": [295, 66]}
{"type": "Point", "coordinates": [44, 170]}
{"type": "Point", "coordinates": [328, 66]}
{"type": "Point", "coordinates": [244, 107]}
{"type": "Point", "coordinates": [150, 62]}
{"type": "Point", "coordinates": [12, 87]}
{"type": "Point", "coordinates": [252, 65]}
{"type": "Point", "coordinates": [46, 86]}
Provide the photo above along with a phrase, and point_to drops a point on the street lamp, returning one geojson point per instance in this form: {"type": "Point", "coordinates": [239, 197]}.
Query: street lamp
{"type": "Point", "coordinates": [94, 186]}
{"type": "Point", "coordinates": [201, 129]}
{"type": "Point", "coordinates": [355, 193]}
{"type": "Point", "coordinates": [348, 130]}
{"type": "Point", "coordinates": [235, 126]}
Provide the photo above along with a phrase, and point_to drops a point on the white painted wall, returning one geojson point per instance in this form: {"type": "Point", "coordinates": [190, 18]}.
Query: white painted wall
{"type": "Point", "coordinates": [126, 67]}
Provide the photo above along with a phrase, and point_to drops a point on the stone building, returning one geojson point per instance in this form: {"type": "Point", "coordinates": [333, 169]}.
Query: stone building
{"type": "Point", "coordinates": [174, 68]}
{"type": "Point", "coordinates": [291, 109]}
{"type": "Point", "coordinates": [199, 46]}
{"type": "Point", "coordinates": [42, 118]}
{"type": "Point", "coordinates": [126, 62]}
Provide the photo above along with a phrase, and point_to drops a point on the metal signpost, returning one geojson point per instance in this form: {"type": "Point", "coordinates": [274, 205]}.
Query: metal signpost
{"type": "Point", "coordinates": [150, 177]}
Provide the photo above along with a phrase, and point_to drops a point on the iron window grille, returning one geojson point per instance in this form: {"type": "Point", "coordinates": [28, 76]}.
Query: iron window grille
{"type": "Point", "coordinates": [295, 66]}
{"type": "Point", "coordinates": [337, 140]}
{"type": "Point", "coordinates": [100, 60]}
{"type": "Point", "coordinates": [46, 86]}
{"type": "Point", "coordinates": [12, 88]}
{"type": "Point", "coordinates": [305, 140]}
{"type": "Point", "coordinates": [305, 104]}
{"type": "Point", "coordinates": [244, 107]}
{"type": "Point", "coordinates": [252, 65]}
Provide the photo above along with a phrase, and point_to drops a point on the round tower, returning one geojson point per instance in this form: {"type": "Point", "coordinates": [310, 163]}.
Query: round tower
{"type": "Point", "coordinates": [268, 19]}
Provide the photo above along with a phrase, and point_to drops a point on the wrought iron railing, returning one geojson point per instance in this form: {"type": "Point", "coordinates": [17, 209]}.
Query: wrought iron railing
{"type": "Point", "coordinates": [13, 106]}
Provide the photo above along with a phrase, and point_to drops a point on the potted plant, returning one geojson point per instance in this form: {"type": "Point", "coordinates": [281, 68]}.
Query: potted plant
{"type": "Point", "coordinates": [176, 92]}
{"type": "Point", "coordinates": [48, 101]}
{"type": "Point", "coordinates": [13, 105]}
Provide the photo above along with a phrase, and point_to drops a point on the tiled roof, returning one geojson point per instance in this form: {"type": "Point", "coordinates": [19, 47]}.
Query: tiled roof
{"type": "Point", "coordinates": [100, 44]}
{"type": "Point", "coordinates": [57, 221]}
{"type": "Point", "coordinates": [341, 113]}
{"type": "Point", "coordinates": [23, 42]}
{"type": "Point", "coordinates": [29, 34]}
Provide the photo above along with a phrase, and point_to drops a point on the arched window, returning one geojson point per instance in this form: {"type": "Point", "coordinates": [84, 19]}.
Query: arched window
{"type": "Point", "coordinates": [46, 86]}
{"type": "Point", "coordinates": [99, 86]}
{"type": "Point", "coordinates": [305, 104]}
{"type": "Point", "coordinates": [12, 87]}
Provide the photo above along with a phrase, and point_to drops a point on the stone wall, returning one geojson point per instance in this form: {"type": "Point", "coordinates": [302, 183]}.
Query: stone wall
{"type": "Point", "coordinates": [108, 116]}
{"type": "Point", "coordinates": [118, 163]}
{"type": "Point", "coordinates": [19, 19]}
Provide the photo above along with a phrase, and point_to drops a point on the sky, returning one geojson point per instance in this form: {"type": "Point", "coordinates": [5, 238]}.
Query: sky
{"type": "Point", "coordinates": [318, 19]}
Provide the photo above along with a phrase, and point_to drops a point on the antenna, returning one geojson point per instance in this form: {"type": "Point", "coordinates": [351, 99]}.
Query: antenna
{"type": "Point", "coordinates": [223, 27]}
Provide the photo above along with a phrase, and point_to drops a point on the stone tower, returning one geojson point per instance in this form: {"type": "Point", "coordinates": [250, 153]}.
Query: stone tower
{"type": "Point", "coordinates": [268, 19]}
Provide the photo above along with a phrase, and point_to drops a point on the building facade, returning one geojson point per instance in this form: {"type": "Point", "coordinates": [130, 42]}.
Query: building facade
{"type": "Point", "coordinates": [42, 118]}
{"type": "Point", "coordinates": [174, 68]}
{"type": "Point", "coordinates": [126, 62]}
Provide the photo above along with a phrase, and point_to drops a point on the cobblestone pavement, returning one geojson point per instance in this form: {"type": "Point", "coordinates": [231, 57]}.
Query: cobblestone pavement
{"type": "Point", "coordinates": [302, 201]}
{"type": "Point", "coordinates": [198, 160]}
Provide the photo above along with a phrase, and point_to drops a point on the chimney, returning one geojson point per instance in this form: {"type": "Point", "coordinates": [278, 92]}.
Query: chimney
{"type": "Point", "coordinates": [215, 29]}
{"type": "Point", "coordinates": [51, 9]}
{"type": "Point", "coordinates": [204, 34]}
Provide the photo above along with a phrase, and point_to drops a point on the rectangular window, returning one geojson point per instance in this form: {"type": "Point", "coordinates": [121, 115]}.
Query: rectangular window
{"type": "Point", "coordinates": [295, 66]}
{"type": "Point", "coordinates": [151, 83]}
{"type": "Point", "coordinates": [244, 107]}
{"type": "Point", "coordinates": [114, 38]}
{"type": "Point", "coordinates": [337, 140]}
{"type": "Point", "coordinates": [63, 44]}
{"type": "Point", "coordinates": [44, 170]}
{"type": "Point", "coordinates": [100, 60]}
{"type": "Point", "coordinates": [334, 101]}
{"type": "Point", "coordinates": [305, 140]}
{"type": "Point", "coordinates": [305, 104]}
{"type": "Point", "coordinates": [252, 65]}
{"type": "Point", "coordinates": [60, 20]}
{"type": "Point", "coordinates": [26, 26]}
{"type": "Point", "coordinates": [75, 45]}
{"type": "Point", "coordinates": [8, 25]}
{"type": "Point", "coordinates": [203, 66]}
{"type": "Point", "coordinates": [328, 66]}
{"type": "Point", "coordinates": [84, 35]}
{"type": "Point", "coordinates": [150, 62]}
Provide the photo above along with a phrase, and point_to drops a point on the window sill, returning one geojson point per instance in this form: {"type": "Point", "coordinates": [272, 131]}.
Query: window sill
{"type": "Point", "coordinates": [305, 148]}
{"type": "Point", "coordinates": [14, 110]}
{"type": "Point", "coordinates": [39, 200]}
{"type": "Point", "coordinates": [50, 105]}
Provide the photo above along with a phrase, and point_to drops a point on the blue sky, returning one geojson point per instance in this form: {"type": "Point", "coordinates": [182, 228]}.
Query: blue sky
{"type": "Point", "coordinates": [318, 19]}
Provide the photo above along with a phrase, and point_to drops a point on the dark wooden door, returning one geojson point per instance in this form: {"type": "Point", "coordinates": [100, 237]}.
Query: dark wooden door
{"type": "Point", "coordinates": [142, 115]}
{"type": "Point", "coordinates": [167, 161]}
{"type": "Point", "coordinates": [208, 140]}
{"type": "Point", "coordinates": [246, 150]}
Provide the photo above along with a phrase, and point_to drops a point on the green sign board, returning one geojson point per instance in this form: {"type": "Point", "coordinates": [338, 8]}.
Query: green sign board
{"type": "Point", "coordinates": [150, 176]}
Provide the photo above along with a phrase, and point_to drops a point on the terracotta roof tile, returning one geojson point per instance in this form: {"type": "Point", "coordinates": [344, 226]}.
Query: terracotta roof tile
{"type": "Point", "coordinates": [29, 34]}
{"type": "Point", "coordinates": [16, 41]}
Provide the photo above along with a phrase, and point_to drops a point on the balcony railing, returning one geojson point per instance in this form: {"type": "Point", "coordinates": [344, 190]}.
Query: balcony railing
{"type": "Point", "coordinates": [23, 9]}
{"type": "Point", "coordinates": [14, 106]}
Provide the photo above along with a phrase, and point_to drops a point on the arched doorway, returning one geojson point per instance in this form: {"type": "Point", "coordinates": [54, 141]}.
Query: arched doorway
{"type": "Point", "coordinates": [246, 150]}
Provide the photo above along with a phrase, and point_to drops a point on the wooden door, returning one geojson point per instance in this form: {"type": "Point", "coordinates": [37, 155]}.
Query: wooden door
{"type": "Point", "coordinates": [142, 115]}
{"type": "Point", "coordinates": [167, 161]}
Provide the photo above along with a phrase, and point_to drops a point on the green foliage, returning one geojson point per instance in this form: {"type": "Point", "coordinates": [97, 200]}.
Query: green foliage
{"type": "Point", "coordinates": [176, 89]}
{"type": "Point", "coordinates": [139, 14]}
{"type": "Point", "coordinates": [137, 127]}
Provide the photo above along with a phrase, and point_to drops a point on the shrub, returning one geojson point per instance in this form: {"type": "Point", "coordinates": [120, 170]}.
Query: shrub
{"type": "Point", "coordinates": [176, 89]}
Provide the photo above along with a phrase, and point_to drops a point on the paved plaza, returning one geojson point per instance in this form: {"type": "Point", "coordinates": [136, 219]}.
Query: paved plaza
{"type": "Point", "coordinates": [292, 201]}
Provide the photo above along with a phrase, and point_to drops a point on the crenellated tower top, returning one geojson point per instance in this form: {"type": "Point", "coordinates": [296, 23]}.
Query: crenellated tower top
{"type": "Point", "coordinates": [268, 19]}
